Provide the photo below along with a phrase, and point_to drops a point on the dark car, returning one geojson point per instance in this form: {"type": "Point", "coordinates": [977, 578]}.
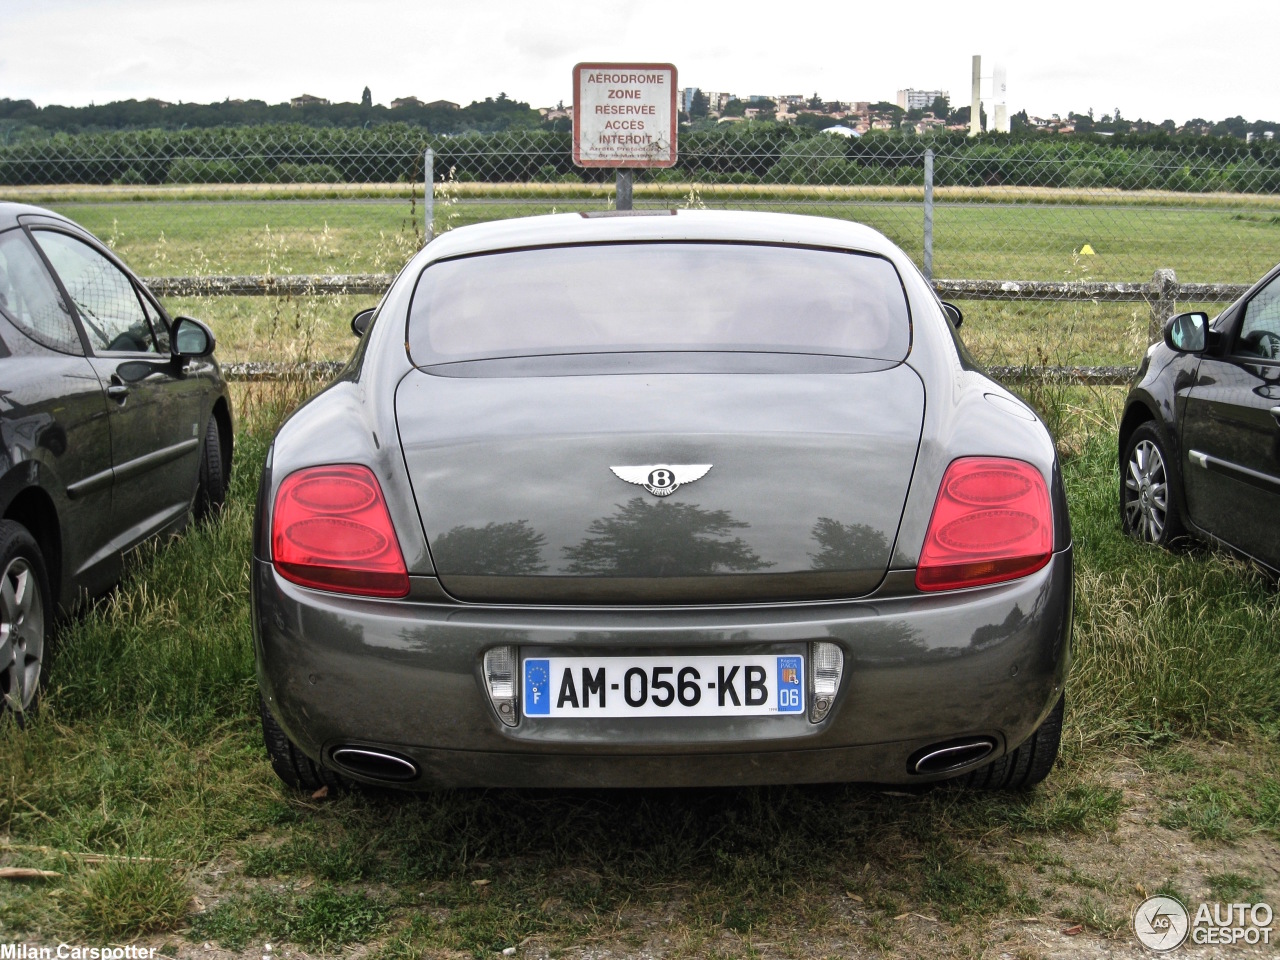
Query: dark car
{"type": "Point", "coordinates": [683, 498]}
{"type": "Point", "coordinates": [1200, 434]}
{"type": "Point", "coordinates": [116, 427]}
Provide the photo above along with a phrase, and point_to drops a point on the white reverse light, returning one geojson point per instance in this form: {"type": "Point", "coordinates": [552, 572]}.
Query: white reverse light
{"type": "Point", "coordinates": [826, 667]}
{"type": "Point", "coordinates": [500, 680]}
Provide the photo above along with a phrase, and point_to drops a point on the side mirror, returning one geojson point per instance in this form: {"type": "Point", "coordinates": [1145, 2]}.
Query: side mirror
{"type": "Point", "coordinates": [953, 314]}
{"type": "Point", "coordinates": [361, 321]}
{"type": "Point", "coordinates": [1187, 332]}
{"type": "Point", "coordinates": [190, 338]}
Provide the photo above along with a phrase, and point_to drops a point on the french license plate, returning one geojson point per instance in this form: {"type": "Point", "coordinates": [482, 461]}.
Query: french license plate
{"type": "Point", "coordinates": [663, 686]}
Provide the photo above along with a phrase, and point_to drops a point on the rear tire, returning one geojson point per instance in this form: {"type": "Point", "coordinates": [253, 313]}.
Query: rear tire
{"type": "Point", "coordinates": [291, 765]}
{"type": "Point", "coordinates": [211, 491]}
{"type": "Point", "coordinates": [1024, 766]}
{"type": "Point", "coordinates": [26, 622]}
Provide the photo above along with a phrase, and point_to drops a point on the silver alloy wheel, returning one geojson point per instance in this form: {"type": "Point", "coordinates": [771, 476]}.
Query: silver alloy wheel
{"type": "Point", "coordinates": [1147, 508]}
{"type": "Point", "coordinates": [21, 634]}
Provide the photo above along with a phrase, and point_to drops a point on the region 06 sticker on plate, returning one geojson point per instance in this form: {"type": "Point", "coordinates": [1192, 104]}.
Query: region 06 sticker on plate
{"type": "Point", "coordinates": [663, 686]}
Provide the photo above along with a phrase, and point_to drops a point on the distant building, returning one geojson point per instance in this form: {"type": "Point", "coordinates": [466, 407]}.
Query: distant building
{"type": "Point", "coordinates": [912, 99]}
{"type": "Point", "coordinates": [716, 101]}
{"type": "Point", "coordinates": [307, 100]}
{"type": "Point", "coordinates": [441, 105]}
{"type": "Point", "coordinates": [406, 102]}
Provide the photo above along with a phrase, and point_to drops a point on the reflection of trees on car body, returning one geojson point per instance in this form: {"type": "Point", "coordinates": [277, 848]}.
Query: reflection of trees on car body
{"type": "Point", "coordinates": [662, 540]}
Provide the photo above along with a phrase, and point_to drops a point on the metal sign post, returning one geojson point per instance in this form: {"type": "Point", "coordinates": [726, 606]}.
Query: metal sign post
{"type": "Point", "coordinates": [624, 116]}
{"type": "Point", "coordinates": [429, 195]}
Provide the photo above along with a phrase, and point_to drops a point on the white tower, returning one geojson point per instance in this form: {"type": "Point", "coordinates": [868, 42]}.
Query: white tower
{"type": "Point", "coordinates": [975, 100]}
{"type": "Point", "coordinates": [1001, 110]}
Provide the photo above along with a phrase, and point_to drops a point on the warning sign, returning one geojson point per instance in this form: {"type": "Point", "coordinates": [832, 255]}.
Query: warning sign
{"type": "Point", "coordinates": [624, 115]}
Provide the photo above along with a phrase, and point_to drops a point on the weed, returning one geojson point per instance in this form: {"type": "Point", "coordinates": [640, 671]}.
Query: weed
{"type": "Point", "coordinates": [1176, 761]}
{"type": "Point", "coordinates": [321, 920]}
{"type": "Point", "coordinates": [122, 900]}
{"type": "Point", "coordinates": [1080, 808]}
{"type": "Point", "coordinates": [693, 200]}
{"type": "Point", "coordinates": [1266, 810]}
{"type": "Point", "coordinates": [446, 194]}
{"type": "Point", "coordinates": [1206, 813]}
{"type": "Point", "coordinates": [1098, 914]}
{"type": "Point", "coordinates": [960, 885]}
{"type": "Point", "coordinates": [1233, 887]}
{"type": "Point", "coordinates": [1169, 889]}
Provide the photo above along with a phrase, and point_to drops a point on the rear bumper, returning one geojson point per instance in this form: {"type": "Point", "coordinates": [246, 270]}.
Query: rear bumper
{"type": "Point", "coordinates": [407, 678]}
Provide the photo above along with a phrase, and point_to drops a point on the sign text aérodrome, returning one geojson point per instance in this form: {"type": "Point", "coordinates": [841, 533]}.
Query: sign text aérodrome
{"type": "Point", "coordinates": [624, 115]}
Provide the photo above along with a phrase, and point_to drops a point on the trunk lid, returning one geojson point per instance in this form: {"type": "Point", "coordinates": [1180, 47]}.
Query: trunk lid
{"type": "Point", "coordinates": [538, 488]}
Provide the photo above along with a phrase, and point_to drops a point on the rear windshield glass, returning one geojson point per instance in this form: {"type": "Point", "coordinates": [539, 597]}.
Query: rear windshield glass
{"type": "Point", "coordinates": [607, 298]}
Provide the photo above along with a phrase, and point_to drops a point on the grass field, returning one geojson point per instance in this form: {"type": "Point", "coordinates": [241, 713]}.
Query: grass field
{"type": "Point", "coordinates": [145, 791]}
{"type": "Point", "coordinates": [986, 234]}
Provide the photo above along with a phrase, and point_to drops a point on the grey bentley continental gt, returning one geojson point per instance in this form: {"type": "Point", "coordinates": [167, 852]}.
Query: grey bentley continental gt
{"type": "Point", "coordinates": [661, 499]}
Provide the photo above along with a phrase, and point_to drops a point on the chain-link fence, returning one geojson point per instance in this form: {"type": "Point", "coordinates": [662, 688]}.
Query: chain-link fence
{"type": "Point", "coordinates": [1044, 218]}
{"type": "Point", "coordinates": [1050, 208]}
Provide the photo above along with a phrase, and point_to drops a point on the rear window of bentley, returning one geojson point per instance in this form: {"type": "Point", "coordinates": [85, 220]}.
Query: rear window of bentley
{"type": "Point", "coordinates": [625, 297]}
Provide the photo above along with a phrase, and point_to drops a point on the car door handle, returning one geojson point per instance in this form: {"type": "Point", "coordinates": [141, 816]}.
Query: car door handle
{"type": "Point", "coordinates": [117, 390]}
{"type": "Point", "coordinates": [1275, 413]}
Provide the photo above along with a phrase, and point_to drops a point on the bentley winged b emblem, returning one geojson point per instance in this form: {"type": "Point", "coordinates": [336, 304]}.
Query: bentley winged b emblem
{"type": "Point", "coordinates": [662, 479]}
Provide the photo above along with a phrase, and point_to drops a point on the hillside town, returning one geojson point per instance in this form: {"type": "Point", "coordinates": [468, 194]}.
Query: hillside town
{"type": "Point", "coordinates": [916, 111]}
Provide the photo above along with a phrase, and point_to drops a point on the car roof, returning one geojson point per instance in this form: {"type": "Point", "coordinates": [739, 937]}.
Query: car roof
{"type": "Point", "coordinates": [659, 225]}
{"type": "Point", "coordinates": [11, 211]}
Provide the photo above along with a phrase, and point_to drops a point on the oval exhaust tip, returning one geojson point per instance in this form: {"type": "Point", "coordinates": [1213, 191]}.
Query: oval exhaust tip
{"type": "Point", "coordinates": [953, 755]}
{"type": "Point", "coordinates": [375, 764]}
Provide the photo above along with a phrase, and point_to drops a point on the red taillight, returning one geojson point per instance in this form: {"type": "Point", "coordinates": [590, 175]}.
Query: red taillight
{"type": "Point", "coordinates": [330, 529]}
{"type": "Point", "coordinates": [992, 521]}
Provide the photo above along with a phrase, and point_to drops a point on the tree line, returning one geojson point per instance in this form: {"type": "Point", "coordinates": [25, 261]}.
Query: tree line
{"type": "Point", "coordinates": [739, 153]}
{"type": "Point", "coordinates": [22, 119]}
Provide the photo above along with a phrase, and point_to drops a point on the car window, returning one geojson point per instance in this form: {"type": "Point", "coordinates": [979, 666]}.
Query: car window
{"type": "Point", "coordinates": [30, 298]}
{"type": "Point", "coordinates": [622, 297]}
{"type": "Point", "coordinates": [103, 294]}
{"type": "Point", "coordinates": [1260, 328]}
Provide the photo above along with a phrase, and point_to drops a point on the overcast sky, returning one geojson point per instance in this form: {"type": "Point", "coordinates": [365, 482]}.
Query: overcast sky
{"type": "Point", "coordinates": [1152, 60]}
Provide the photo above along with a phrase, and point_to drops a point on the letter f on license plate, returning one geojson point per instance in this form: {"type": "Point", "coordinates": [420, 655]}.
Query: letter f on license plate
{"type": "Point", "coordinates": [692, 686]}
